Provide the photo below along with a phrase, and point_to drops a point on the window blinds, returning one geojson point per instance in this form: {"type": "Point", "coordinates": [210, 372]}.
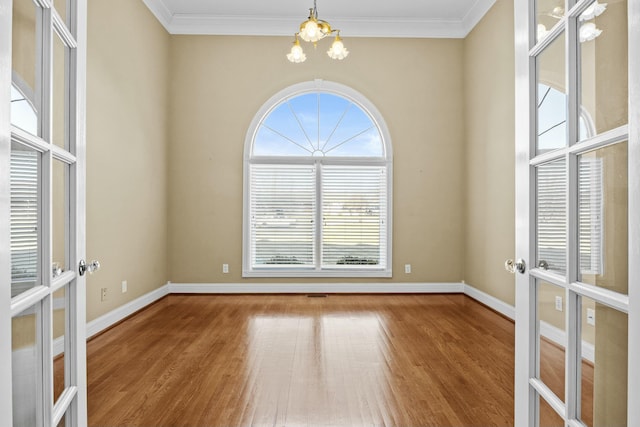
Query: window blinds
{"type": "Point", "coordinates": [24, 215]}
{"type": "Point", "coordinates": [552, 215]}
{"type": "Point", "coordinates": [349, 202]}
{"type": "Point", "coordinates": [354, 216]}
{"type": "Point", "coordinates": [590, 215]}
{"type": "Point", "coordinates": [283, 201]}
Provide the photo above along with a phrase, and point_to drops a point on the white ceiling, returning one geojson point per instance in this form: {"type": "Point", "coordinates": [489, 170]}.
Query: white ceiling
{"type": "Point", "coordinates": [355, 18]}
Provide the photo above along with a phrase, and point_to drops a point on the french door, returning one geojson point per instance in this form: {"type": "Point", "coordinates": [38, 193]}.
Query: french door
{"type": "Point", "coordinates": [578, 213]}
{"type": "Point", "coordinates": [42, 219]}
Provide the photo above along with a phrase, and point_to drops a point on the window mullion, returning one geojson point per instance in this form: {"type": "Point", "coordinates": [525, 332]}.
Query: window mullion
{"type": "Point", "coordinates": [318, 218]}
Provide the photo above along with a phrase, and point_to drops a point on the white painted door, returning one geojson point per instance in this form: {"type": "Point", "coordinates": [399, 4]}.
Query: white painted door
{"type": "Point", "coordinates": [42, 212]}
{"type": "Point", "coordinates": [578, 213]}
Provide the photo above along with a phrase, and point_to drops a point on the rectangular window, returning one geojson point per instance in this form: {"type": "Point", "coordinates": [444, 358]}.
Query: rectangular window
{"type": "Point", "coordinates": [354, 210]}
{"type": "Point", "coordinates": [282, 216]}
{"type": "Point", "coordinates": [317, 219]}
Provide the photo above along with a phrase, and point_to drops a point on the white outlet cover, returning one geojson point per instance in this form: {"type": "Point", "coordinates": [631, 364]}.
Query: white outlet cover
{"type": "Point", "coordinates": [407, 268]}
{"type": "Point", "coordinates": [559, 303]}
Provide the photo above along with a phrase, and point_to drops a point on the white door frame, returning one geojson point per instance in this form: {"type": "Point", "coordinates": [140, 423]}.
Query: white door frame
{"type": "Point", "coordinates": [525, 404]}
{"type": "Point", "coordinates": [634, 209]}
{"type": "Point", "coordinates": [72, 403]}
{"type": "Point", "coordinates": [526, 328]}
{"type": "Point", "coordinates": [6, 407]}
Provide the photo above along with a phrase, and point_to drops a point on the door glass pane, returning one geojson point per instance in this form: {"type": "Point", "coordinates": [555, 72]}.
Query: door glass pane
{"type": "Point", "coordinates": [603, 219]}
{"type": "Point", "coordinates": [24, 184]}
{"type": "Point", "coordinates": [551, 216]}
{"type": "Point", "coordinates": [604, 374]}
{"type": "Point", "coordinates": [603, 67]}
{"type": "Point", "coordinates": [25, 372]}
{"type": "Point", "coordinates": [60, 211]}
{"type": "Point", "coordinates": [23, 110]}
{"type": "Point", "coordinates": [61, 7]}
{"type": "Point", "coordinates": [551, 322]}
{"type": "Point", "coordinates": [548, 13]}
{"type": "Point", "coordinates": [551, 97]}
{"type": "Point", "coordinates": [548, 416]}
{"type": "Point", "coordinates": [60, 93]}
{"type": "Point", "coordinates": [59, 334]}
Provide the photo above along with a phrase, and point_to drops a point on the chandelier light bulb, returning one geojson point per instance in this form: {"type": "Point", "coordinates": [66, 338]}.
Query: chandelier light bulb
{"type": "Point", "coordinates": [541, 31]}
{"type": "Point", "coordinates": [592, 11]}
{"type": "Point", "coordinates": [297, 54]}
{"type": "Point", "coordinates": [337, 49]}
{"type": "Point", "coordinates": [310, 32]}
{"type": "Point", "coordinates": [588, 32]}
{"type": "Point", "coordinates": [557, 12]}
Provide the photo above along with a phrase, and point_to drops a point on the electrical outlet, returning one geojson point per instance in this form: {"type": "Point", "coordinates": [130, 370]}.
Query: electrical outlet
{"type": "Point", "coordinates": [559, 303]}
{"type": "Point", "coordinates": [124, 286]}
{"type": "Point", "coordinates": [103, 294]}
{"type": "Point", "coordinates": [591, 316]}
{"type": "Point", "coordinates": [225, 268]}
{"type": "Point", "coordinates": [407, 268]}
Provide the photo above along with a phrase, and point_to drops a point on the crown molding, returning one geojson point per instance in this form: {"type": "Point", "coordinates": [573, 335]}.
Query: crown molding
{"type": "Point", "coordinates": [285, 26]}
{"type": "Point", "coordinates": [475, 14]}
{"type": "Point", "coordinates": [161, 12]}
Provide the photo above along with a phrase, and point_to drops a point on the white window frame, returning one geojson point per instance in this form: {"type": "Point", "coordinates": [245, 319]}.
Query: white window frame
{"type": "Point", "coordinates": [361, 101]}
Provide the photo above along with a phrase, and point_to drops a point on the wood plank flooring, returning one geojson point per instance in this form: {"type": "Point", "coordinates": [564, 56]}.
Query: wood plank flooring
{"type": "Point", "coordinates": [291, 360]}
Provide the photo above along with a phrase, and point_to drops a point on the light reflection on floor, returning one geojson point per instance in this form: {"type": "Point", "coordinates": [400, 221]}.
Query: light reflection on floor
{"type": "Point", "coordinates": [299, 366]}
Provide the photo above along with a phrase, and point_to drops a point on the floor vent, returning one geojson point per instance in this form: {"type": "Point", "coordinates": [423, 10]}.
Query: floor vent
{"type": "Point", "coordinates": [317, 295]}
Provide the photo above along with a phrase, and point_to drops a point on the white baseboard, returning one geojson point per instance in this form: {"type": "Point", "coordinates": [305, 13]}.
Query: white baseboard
{"type": "Point", "coordinates": [111, 318]}
{"type": "Point", "coordinates": [58, 346]}
{"type": "Point", "coordinates": [559, 337]}
{"type": "Point", "coordinates": [547, 330]}
{"type": "Point", "coordinates": [490, 301]}
{"type": "Point", "coordinates": [331, 288]}
{"type": "Point", "coordinates": [114, 316]}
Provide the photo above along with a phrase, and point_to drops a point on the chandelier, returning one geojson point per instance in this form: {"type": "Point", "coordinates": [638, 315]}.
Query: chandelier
{"type": "Point", "coordinates": [312, 30]}
{"type": "Point", "coordinates": [588, 30]}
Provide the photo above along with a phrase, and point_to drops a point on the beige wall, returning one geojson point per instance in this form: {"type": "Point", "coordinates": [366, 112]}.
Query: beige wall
{"type": "Point", "coordinates": [218, 85]}
{"type": "Point", "coordinates": [23, 49]}
{"type": "Point", "coordinates": [127, 138]}
{"type": "Point", "coordinates": [489, 82]}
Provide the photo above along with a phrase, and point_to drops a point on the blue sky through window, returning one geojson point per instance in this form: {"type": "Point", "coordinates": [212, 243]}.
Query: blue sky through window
{"type": "Point", "coordinates": [552, 119]}
{"type": "Point", "coordinates": [22, 113]}
{"type": "Point", "coordinates": [318, 124]}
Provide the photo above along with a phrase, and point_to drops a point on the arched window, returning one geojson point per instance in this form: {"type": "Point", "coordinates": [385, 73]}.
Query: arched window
{"type": "Point", "coordinates": [23, 113]}
{"type": "Point", "coordinates": [317, 186]}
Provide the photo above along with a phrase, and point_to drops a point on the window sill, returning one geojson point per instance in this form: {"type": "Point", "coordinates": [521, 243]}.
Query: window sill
{"type": "Point", "coordinates": [315, 273]}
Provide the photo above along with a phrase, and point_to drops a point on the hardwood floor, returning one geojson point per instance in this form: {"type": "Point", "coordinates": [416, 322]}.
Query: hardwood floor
{"type": "Point", "coordinates": [291, 360]}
